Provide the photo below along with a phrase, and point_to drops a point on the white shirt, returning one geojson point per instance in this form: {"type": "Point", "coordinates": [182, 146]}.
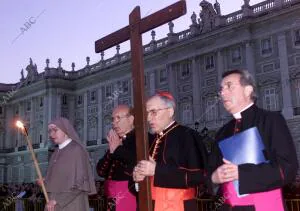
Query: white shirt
{"type": "Point", "coordinates": [238, 114]}
{"type": "Point", "coordinates": [65, 143]}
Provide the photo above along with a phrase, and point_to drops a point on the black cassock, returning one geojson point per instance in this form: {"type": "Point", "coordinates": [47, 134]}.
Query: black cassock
{"type": "Point", "coordinates": [180, 155]}
{"type": "Point", "coordinates": [279, 150]}
{"type": "Point", "coordinates": [118, 166]}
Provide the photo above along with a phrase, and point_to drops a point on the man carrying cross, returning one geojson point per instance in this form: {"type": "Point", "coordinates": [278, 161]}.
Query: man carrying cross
{"type": "Point", "coordinates": [174, 156]}
{"type": "Point", "coordinates": [133, 31]}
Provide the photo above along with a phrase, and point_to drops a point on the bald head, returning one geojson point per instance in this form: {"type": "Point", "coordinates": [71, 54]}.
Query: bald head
{"type": "Point", "coordinates": [123, 108]}
{"type": "Point", "coordinates": [122, 119]}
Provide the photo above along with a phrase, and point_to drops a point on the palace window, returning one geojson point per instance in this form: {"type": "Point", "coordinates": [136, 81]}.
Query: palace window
{"type": "Point", "coordinates": [211, 109]}
{"type": "Point", "coordinates": [92, 131]}
{"type": "Point", "coordinates": [64, 99]}
{"type": "Point", "coordinates": [297, 91]}
{"type": "Point", "coordinates": [107, 126]}
{"type": "Point", "coordinates": [125, 87]}
{"type": "Point", "coordinates": [79, 100]}
{"type": "Point", "coordinates": [185, 69]}
{"type": "Point", "coordinates": [236, 55]}
{"type": "Point", "coordinates": [209, 62]}
{"type": "Point", "coordinates": [297, 37]}
{"type": "Point", "coordinates": [41, 101]}
{"type": "Point", "coordinates": [28, 106]}
{"type": "Point", "coordinates": [266, 46]}
{"type": "Point", "coordinates": [270, 99]}
{"type": "Point", "coordinates": [93, 95]}
{"type": "Point", "coordinates": [108, 91]}
{"type": "Point", "coordinates": [187, 113]}
{"type": "Point", "coordinates": [163, 76]}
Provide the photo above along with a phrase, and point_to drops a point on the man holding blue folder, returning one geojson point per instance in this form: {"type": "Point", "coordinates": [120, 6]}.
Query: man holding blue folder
{"type": "Point", "coordinates": [259, 179]}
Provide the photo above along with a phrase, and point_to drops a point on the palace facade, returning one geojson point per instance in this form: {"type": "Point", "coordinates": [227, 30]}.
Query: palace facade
{"type": "Point", "coordinates": [263, 38]}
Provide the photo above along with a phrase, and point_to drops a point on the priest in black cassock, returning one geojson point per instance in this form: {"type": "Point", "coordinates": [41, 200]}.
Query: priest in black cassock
{"type": "Point", "coordinates": [173, 158]}
{"type": "Point", "coordinates": [117, 164]}
{"type": "Point", "coordinates": [261, 182]}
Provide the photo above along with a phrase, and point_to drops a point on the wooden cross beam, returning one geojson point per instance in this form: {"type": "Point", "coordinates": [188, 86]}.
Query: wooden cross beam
{"type": "Point", "coordinates": [134, 31]}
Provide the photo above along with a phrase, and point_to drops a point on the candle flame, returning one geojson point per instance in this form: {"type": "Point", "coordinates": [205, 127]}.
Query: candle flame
{"type": "Point", "coordinates": [19, 124]}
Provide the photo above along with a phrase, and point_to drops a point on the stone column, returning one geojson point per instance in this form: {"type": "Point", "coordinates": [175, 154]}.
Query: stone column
{"type": "Point", "coordinates": [32, 129]}
{"type": "Point", "coordinates": [9, 134]}
{"type": "Point", "coordinates": [52, 102]}
{"type": "Point", "coordinates": [85, 118]}
{"type": "Point", "coordinates": [71, 108]}
{"type": "Point", "coordinates": [58, 104]}
{"type": "Point", "coordinates": [9, 174]}
{"type": "Point", "coordinates": [152, 83]}
{"type": "Point", "coordinates": [115, 95]}
{"type": "Point", "coordinates": [100, 116]}
{"type": "Point", "coordinates": [172, 80]}
{"type": "Point", "coordinates": [220, 66]}
{"type": "Point", "coordinates": [196, 87]}
{"type": "Point", "coordinates": [21, 138]}
{"type": "Point", "coordinates": [172, 84]}
{"type": "Point", "coordinates": [21, 173]}
{"type": "Point", "coordinates": [250, 60]}
{"type": "Point", "coordinates": [46, 120]}
{"type": "Point", "coordinates": [287, 109]}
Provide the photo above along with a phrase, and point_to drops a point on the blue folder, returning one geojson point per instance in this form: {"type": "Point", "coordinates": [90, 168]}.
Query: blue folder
{"type": "Point", "coordinates": [244, 147]}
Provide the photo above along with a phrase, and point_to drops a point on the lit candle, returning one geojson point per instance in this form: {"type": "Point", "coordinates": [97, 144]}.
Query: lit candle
{"type": "Point", "coordinates": [20, 125]}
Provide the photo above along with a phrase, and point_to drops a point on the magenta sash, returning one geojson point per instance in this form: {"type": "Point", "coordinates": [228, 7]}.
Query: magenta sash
{"type": "Point", "coordinates": [124, 200]}
{"type": "Point", "coordinates": [269, 200]}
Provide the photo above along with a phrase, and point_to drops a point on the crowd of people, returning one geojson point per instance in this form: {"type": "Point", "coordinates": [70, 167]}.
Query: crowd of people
{"type": "Point", "coordinates": [33, 191]}
{"type": "Point", "coordinates": [29, 191]}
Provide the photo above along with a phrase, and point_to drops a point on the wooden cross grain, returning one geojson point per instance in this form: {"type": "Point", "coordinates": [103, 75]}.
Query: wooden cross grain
{"type": "Point", "coordinates": [134, 31]}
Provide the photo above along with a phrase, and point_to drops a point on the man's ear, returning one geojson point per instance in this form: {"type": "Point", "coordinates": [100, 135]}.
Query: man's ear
{"type": "Point", "coordinates": [131, 118]}
{"type": "Point", "coordinates": [248, 90]}
{"type": "Point", "coordinates": [171, 112]}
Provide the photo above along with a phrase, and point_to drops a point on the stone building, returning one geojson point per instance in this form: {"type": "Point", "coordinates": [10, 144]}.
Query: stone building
{"type": "Point", "coordinates": [263, 38]}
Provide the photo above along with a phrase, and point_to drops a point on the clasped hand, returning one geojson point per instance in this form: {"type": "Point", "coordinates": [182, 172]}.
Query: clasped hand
{"type": "Point", "coordinates": [144, 168]}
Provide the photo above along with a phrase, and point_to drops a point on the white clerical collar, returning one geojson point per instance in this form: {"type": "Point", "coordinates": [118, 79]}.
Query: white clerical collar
{"type": "Point", "coordinates": [161, 133]}
{"type": "Point", "coordinates": [125, 136]}
{"type": "Point", "coordinates": [238, 114]}
{"type": "Point", "coordinates": [65, 143]}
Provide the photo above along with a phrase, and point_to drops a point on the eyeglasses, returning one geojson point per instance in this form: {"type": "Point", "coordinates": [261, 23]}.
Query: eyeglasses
{"type": "Point", "coordinates": [50, 130]}
{"type": "Point", "coordinates": [154, 112]}
{"type": "Point", "coordinates": [229, 86]}
{"type": "Point", "coordinates": [118, 118]}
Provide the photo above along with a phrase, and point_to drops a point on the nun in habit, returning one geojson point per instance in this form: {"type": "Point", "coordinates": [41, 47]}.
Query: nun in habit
{"type": "Point", "coordinates": [69, 178]}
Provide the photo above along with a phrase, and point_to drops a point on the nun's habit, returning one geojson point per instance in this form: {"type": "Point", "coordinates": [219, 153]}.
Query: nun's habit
{"type": "Point", "coordinates": [69, 178]}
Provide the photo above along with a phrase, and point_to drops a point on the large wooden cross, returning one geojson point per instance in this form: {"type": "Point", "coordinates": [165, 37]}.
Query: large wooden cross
{"type": "Point", "coordinates": [136, 28]}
